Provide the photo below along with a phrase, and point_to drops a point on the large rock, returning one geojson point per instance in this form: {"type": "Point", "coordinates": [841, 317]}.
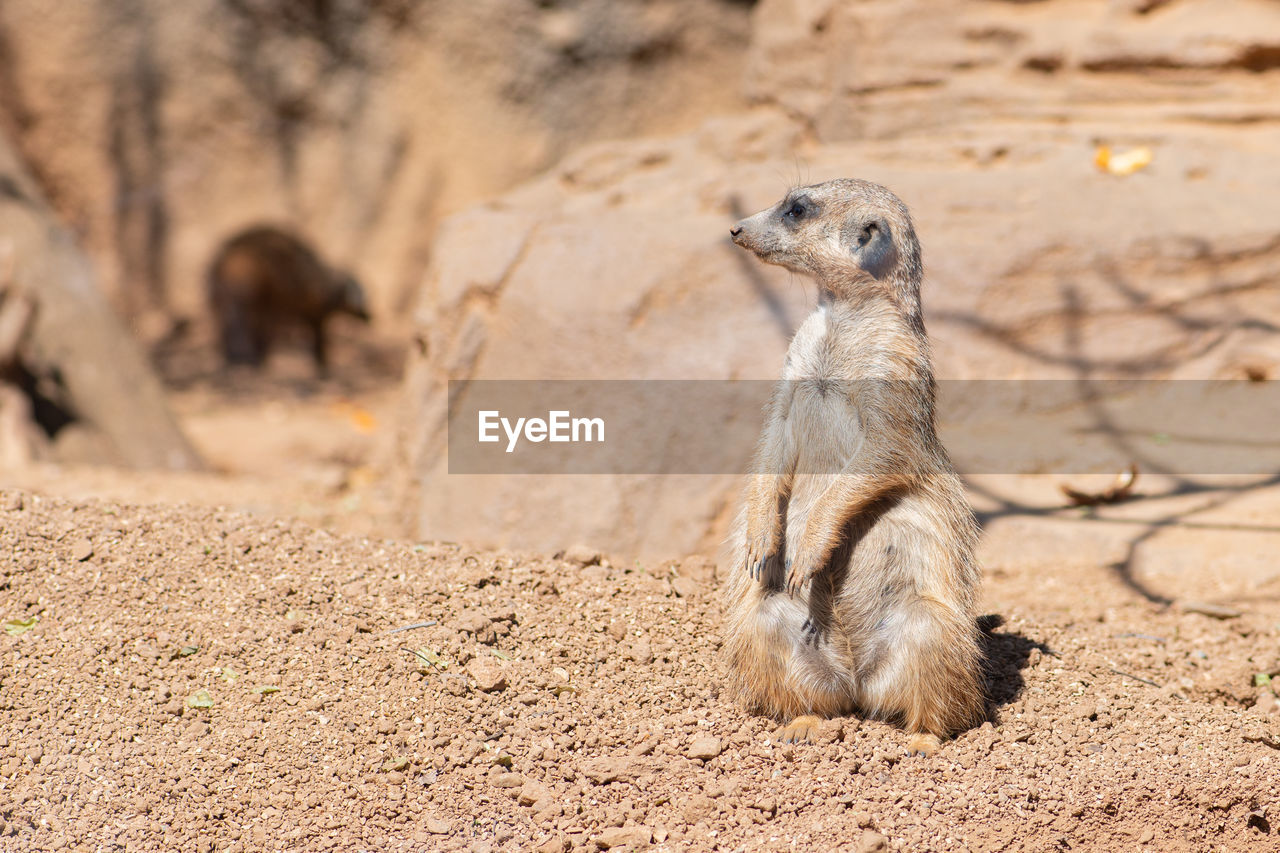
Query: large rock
{"type": "Point", "coordinates": [615, 265]}
{"type": "Point", "coordinates": [885, 68]}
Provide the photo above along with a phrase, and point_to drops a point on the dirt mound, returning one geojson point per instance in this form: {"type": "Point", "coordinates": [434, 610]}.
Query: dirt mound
{"type": "Point", "coordinates": [196, 679]}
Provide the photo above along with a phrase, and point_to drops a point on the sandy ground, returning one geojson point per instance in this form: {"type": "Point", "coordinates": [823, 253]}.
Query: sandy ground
{"type": "Point", "coordinates": [202, 679]}
{"type": "Point", "coordinates": [246, 659]}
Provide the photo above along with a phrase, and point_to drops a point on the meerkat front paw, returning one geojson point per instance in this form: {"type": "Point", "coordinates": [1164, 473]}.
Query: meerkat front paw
{"type": "Point", "coordinates": [800, 571]}
{"type": "Point", "coordinates": [799, 730]}
{"type": "Point", "coordinates": [923, 744]}
{"type": "Point", "coordinates": [764, 532]}
{"type": "Point", "coordinates": [761, 551]}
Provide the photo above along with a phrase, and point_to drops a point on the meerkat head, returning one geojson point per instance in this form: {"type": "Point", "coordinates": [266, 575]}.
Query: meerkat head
{"type": "Point", "coordinates": [843, 233]}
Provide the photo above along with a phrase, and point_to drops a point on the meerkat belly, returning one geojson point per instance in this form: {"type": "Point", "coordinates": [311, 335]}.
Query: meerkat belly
{"type": "Point", "coordinates": [822, 423]}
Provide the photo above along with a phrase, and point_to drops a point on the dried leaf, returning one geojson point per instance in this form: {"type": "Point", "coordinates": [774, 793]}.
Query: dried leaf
{"type": "Point", "coordinates": [1124, 162]}
{"type": "Point", "coordinates": [1261, 679]}
{"type": "Point", "coordinates": [264, 689]}
{"type": "Point", "coordinates": [399, 762]}
{"type": "Point", "coordinates": [429, 657]}
{"type": "Point", "coordinates": [504, 655]}
{"type": "Point", "coordinates": [14, 627]}
{"type": "Point", "coordinates": [187, 651]}
{"type": "Point", "coordinates": [200, 699]}
{"type": "Point", "coordinates": [1121, 489]}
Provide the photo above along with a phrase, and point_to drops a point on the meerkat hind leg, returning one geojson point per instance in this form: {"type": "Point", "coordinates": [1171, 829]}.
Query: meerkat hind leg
{"type": "Point", "coordinates": [799, 730]}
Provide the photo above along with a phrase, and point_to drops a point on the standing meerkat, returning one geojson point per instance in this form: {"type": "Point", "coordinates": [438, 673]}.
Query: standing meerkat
{"type": "Point", "coordinates": [854, 583]}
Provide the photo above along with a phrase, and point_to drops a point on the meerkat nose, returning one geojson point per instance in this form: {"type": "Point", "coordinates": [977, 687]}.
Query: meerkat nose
{"type": "Point", "coordinates": [735, 230]}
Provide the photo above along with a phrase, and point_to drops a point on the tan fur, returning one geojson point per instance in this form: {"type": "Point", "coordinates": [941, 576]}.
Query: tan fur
{"type": "Point", "coordinates": [853, 585]}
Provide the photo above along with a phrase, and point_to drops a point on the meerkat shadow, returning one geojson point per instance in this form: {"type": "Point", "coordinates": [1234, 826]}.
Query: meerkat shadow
{"type": "Point", "coordinates": [1004, 655]}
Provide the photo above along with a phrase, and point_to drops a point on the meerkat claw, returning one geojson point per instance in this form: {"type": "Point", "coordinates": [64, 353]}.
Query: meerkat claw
{"type": "Point", "coordinates": [796, 579]}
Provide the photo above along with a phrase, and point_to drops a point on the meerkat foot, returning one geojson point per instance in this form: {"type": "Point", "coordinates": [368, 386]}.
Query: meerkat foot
{"type": "Point", "coordinates": [923, 744]}
{"type": "Point", "coordinates": [799, 730]}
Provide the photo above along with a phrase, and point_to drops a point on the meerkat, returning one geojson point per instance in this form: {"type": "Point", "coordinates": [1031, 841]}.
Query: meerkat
{"type": "Point", "coordinates": [854, 584]}
{"type": "Point", "coordinates": [263, 279]}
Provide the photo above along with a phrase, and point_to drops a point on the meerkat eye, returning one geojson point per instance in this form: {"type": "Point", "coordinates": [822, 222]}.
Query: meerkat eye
{"type": "Point", "coordinates": [795, 211]}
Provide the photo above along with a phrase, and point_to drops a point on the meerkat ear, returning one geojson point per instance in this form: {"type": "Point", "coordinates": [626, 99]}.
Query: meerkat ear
{"type": "Point", "coordinates": [871, 242]}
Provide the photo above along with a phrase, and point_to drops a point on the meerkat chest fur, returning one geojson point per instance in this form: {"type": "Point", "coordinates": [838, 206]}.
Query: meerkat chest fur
{"type": "Point", "coordinates": [837, 347]}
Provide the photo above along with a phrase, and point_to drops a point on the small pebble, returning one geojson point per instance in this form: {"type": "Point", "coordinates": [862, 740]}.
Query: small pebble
{"type": "Point", "coordinates": [705, 748]}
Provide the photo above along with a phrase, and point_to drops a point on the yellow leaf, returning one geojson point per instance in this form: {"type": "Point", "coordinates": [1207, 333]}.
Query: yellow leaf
{"type": "Point", "coordinates": [1124, 162]}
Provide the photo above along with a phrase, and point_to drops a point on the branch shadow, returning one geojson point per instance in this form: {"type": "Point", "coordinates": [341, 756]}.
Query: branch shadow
{"type": "Point", "coordinates": [1202, 334]}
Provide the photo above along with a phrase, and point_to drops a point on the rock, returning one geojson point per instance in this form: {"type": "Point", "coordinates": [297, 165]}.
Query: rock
{"type": "Point", "coordinates": [477, 623]}
{"type": "Point", "coordinates": [705, 748]}
{"type": "Point", "coordinates": [793, 43]}
{"type": "Point", "coordinates": [582, 555]}
{"type": "Point", "coordinates": [872, 842]}
{"type": "Point", "coordinates": [640, 651]}
{"type": "Point", "coordinates": [81, 550]}
{"type": "Point", "coordinates": [532, 793]}
{"type": "Point", "coordinates": [624, 836]}
{"type": "Point", "coordinates": [557, 843]}
{"type": "Point", "coordinates": [488, 673]}
{"type": "Point", "coordinates": [696, 807]}
{"type": "Point", "coordinates": [828, 732]}
{"type": "Point", "coordinates": [602, 771]}
{"type": "Point", "coordinates": [685, 587]}
{"type": "Point", "coordinates": [507, 780]}
{"type": "Point", "coordinates": [436, 826]}
{"type": "Point", "coordinates": [471, 621]}
{"type": "Point", "coordinates": [11, 502]}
